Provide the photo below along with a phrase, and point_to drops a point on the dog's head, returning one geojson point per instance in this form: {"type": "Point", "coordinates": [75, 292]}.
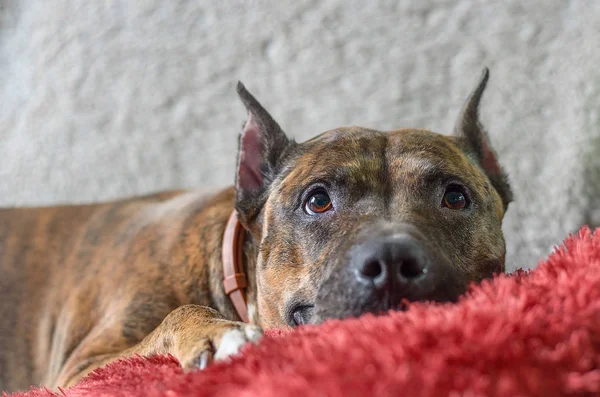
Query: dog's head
{"type": "Point", "coordinates": [357, 220]}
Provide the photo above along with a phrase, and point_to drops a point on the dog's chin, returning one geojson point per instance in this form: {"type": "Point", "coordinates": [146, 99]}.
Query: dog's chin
{"type": "Point", "coordinates": [310, 314]}
{"type": "Point", "coordinates": [323, 313]}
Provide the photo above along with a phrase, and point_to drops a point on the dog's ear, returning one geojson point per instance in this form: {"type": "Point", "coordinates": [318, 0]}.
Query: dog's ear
{"type": "Point", "coordinates": [470, 130]}
{"type": "Point", "coordinates": [262, 145]}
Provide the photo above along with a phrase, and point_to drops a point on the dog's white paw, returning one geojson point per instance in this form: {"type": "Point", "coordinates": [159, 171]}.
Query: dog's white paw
{"type": "Point", "coordinates": [236, 338]}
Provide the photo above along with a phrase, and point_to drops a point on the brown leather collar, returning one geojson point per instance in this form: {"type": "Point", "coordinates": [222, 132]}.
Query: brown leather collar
{"type": "Point", "coordinates": [234, 278]}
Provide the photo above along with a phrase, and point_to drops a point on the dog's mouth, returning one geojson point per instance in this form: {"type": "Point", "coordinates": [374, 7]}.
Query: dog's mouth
{"type": "Point", "coordinates": [304, 312]}
{"type": "Point", "coordinates": [390, 302]}
{"type": "Point", "coordinates": [301, 314]}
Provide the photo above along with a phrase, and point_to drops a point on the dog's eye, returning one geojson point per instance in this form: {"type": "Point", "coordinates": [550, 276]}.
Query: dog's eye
{"type": "Point", "coordinates": [455, 198]}
{"type": "Point", "coordinates": [318, 203]}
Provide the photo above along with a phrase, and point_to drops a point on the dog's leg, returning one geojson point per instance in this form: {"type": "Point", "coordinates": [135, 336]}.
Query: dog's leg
{"type": "Point", "coordinates": [193, 334]}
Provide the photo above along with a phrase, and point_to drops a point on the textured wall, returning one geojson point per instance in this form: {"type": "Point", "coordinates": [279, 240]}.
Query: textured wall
{"type": "Point", "coordinates": [102, 99]}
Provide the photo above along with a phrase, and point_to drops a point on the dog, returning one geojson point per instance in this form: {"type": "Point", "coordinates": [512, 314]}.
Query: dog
{"type": "Point", "coordinates": [353, 221]}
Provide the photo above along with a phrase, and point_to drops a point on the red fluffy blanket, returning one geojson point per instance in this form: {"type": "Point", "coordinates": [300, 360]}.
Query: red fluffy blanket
{"type": "Point", "coordinates": [527, 334]}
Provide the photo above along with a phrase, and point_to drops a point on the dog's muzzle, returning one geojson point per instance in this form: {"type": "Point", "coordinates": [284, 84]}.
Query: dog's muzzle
{"type": "Point", "coordinates": [380, 272]}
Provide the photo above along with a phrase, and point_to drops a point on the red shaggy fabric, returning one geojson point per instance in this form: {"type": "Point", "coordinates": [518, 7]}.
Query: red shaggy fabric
{"type": "Point", "coordinates": [528, 334]}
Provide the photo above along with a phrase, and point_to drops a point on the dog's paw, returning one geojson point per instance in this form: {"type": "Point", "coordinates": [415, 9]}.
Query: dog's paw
{"type": "Point", "coordinates": [197, 335]}
{"type": "Point", "coordinates": [234, 339]}
{"type": "Point", "coordinates": [224, 343]}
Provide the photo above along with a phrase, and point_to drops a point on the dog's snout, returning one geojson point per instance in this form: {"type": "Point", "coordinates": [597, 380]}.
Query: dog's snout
{"type": "Point", "coordinates": [389, 261]}
{"type": "Point", "coordinates": [384, 269]}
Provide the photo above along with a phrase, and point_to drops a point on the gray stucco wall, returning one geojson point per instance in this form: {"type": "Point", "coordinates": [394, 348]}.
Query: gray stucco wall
{"type": "Point", "coordinates": [103, 99]}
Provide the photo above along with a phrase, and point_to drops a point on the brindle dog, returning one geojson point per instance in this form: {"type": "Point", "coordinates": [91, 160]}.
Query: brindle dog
{"type": "Point", "coordinates": [352, 221]}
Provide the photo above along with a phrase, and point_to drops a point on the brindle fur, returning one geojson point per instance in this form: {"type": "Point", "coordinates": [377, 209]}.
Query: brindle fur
{"type": "Point", "coordinates": [85, 285]}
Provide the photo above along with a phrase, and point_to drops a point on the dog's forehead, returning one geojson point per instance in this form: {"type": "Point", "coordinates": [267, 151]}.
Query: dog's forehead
{"type": "Point", "coordinates": [364, 160]}
{"type": "Point", "coordinates": [361, 152]}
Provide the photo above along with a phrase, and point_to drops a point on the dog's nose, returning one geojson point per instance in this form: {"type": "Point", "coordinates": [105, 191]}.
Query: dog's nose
{"type": "Point", "coordinates": [389, 261]}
